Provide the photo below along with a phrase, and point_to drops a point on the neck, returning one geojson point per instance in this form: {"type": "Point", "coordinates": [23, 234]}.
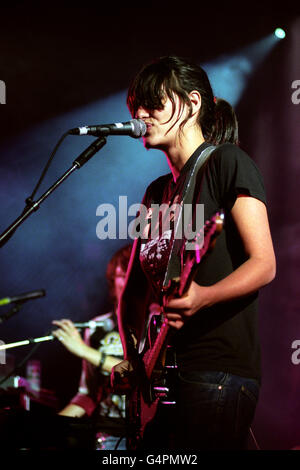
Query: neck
{"type": "Point", "coordinates": [179, 154]}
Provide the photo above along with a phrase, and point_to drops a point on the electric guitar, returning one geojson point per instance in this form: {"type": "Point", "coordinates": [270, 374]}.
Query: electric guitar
{"type": "Point", "coordinates": [157, 371]}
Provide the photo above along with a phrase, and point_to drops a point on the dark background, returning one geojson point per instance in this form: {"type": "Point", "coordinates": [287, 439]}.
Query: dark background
{"type": "Point", "coordinates": [67, 66]}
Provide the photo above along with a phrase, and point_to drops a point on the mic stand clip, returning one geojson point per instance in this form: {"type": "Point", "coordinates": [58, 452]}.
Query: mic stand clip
{"type": "Point", "coordinates": [17, 306]}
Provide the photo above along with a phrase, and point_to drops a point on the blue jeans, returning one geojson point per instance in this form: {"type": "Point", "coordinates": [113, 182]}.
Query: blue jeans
{"type": "Point", "coordinates": [213, 411]}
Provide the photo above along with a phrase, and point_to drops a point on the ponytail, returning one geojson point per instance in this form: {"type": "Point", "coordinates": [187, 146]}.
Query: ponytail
{"type": "Point", "coordinates": [225, 125]}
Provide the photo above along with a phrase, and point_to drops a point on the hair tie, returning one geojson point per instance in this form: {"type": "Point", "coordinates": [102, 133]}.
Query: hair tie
{"type": "Point", "coordinates": [215, 99]}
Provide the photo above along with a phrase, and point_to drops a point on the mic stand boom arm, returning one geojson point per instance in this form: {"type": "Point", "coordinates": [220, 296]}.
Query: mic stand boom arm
{"type": "Point", "coordinates": [33, 206]}
{"type": "Point", "coordinates": [89, 324]}
{"type": "Point", "coordinates": [26, 341]}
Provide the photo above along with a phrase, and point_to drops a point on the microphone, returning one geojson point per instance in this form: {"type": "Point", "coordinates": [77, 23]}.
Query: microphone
{"type": "Point", "coordinates": [135, 128]}
{"type": "Point", "coordinates": [23, 297]}
{"type": "Point", "coordinates": [106, 324]}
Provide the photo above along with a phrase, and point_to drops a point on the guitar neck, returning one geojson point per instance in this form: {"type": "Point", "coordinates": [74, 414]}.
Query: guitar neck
{"type": "Point", "coordinates": [179, 286]}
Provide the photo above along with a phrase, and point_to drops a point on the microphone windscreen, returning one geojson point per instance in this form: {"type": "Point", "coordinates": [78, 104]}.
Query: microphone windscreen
{"type": "Point", "coordinates": [139, 128]}
{"type": "Point", "coordinates": [108, 324]}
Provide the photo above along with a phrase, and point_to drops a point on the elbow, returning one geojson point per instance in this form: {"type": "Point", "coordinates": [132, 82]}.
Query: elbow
{"type": "Point", "coordinates": [269, 271]}
{"type": "Point", "coordinates": [274, 270]}
{"type": "Point", "coordinates": [271, 275]}
{"type": "Point", "coordinates": [265, 269]}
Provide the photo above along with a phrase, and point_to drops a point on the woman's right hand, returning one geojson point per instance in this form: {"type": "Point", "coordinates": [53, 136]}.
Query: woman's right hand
{"type": "Point", "coordinates": [123, 377]}
{"type": "Point", "coordinates": [70, 337]}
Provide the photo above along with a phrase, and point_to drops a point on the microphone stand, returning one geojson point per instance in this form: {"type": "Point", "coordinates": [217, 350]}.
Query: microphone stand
{"type": "Point", "coordinates": [11, 312]}
{"type": "Point", "coordinates": [34, 205]}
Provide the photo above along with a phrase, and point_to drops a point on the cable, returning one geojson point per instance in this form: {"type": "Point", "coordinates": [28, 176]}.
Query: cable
{"type": "Point", "coordinates": [29, 199]}
{"type": "Point", "coordinates": [118, 442]}
{"type": "Point", "coordinates": [255, 441]}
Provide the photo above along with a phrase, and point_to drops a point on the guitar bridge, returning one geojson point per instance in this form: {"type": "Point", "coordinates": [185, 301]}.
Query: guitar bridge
{"type": "Point", "coordinates": [162, 394]}
{"type": "Point", "coordinates": [161, 389]}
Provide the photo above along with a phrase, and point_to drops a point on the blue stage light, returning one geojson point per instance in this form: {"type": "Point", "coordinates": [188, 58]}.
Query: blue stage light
{"type": "Point", "coordinates": [279, 33]}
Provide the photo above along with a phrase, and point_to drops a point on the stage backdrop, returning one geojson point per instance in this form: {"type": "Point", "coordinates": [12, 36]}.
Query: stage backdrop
{"type": "Point", "coordinates": [67, 70]}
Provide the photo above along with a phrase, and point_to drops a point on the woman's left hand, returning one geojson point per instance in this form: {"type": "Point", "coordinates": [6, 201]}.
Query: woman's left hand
{"type": "Point", "coordinates": [177, 311]}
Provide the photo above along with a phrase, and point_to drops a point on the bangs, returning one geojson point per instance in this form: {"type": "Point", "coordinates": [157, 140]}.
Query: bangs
{"type": "Point", "coordinates": [147, 93]}
{"type": "Point", "coordinates": [150, 88]}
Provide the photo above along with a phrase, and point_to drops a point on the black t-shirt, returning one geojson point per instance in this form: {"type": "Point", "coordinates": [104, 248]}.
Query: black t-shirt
{"type": "Point", "coordinates": [224, 336]}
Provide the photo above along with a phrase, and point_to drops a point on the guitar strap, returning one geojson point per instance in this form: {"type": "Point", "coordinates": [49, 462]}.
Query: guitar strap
{"type": "Point", "coordinates": [173, 267]}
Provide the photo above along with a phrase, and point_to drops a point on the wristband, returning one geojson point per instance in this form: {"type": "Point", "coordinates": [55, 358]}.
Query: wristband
{"type": "Point", "coordinates": [102, 360]}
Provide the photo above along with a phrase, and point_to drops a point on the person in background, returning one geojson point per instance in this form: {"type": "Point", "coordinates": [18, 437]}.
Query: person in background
{"type": "Point", "coordinates": [100, 350]}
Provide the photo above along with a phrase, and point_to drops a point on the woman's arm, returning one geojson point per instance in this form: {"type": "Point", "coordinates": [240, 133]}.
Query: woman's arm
{"type": "Point", "coordinates": [72, 411]}
{"type": "Point", "coordinates": [70, 337]}
{"type": "Point", "coordinates": [251, 219]}
{"type": "Point", "coordinates": [132, 308]}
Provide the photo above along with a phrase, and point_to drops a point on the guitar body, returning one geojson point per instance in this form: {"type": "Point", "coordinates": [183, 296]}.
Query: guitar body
{"type": "Point", "coordinates": [142, 402]}
{"type": "Point", "coordinates": [139, 412]}
{"type": "Point", "coordinates": [158, 368]}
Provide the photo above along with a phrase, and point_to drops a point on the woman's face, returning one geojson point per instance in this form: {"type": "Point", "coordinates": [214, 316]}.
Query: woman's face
{"type": "Point", "coordinates": [162, 127]}
{"type": "Point", "coordinates": [119, 281]}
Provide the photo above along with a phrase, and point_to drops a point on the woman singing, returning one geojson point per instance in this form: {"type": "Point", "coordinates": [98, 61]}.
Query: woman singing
{"type": "Point", "coordinates": [215, 333]}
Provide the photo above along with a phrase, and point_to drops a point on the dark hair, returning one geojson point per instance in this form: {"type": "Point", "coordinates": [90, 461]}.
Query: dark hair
{"type": "Point", "coordinates": [120, 258]}
{"type": "Point", "coordinates": [174, 75]}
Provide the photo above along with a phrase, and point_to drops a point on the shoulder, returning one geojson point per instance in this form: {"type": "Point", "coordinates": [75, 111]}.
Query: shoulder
{"type": "Point", "coordinates": [160, 181]}
{"type": "Point", "coordinates": [156, 187]}
{"type": "Point", "coordinates": [103, 316]}
{"type": "Point", "coordinates": [230, 155]}
{"type": "Point", "coordinates": [231, 162]}
{"type": "Point", "coordinates": [232, 171]}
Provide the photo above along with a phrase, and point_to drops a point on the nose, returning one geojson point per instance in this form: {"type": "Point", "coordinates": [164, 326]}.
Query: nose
{"type": "Point", "coordinates": [142, 113]}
